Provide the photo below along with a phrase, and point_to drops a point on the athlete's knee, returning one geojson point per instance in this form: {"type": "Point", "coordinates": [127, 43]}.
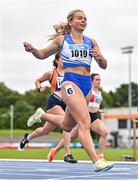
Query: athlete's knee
{"type": "Point", "coordinates": [85, 125]}
{"type": "Point", "coordinates": [74, 133]}
{"type": "Point", "coordinates": [66, 128]}
{"type": "Point", "coordinates": [105, 132]}
{"type": "Point", "coordinates": [74, 136]}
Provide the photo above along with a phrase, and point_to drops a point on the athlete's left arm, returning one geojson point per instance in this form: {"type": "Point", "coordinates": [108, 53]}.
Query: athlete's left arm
{"type": "Point", "coordinates": [99, 58]}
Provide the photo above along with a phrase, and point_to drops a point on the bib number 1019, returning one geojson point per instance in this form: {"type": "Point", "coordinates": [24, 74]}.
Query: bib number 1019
{"type": "Point", "coordinates": [79, 53]}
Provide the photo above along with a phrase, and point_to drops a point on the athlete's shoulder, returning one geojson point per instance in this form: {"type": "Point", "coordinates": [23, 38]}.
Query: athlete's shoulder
{"type": "Point", "coordinates": [59, 40]}
{"type": "Point", "coordinates": [100, 92]}
{"type": "Point", "coordinates": [87, 37]}
{"type": "Point", "coordinates": [88, 40]}
{"type": "Point", "coordinates": [54, 71]}
{"type": "Point", "coordinates": [53, 75]}
{"type": "Point", "coordinates": [94, 42]}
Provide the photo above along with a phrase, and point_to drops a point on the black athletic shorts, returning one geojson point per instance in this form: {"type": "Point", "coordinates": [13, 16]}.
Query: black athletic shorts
{"type": "Point", "coordinates": [93, 116]}
{"type": "Point", "coordinates": [54, 100]}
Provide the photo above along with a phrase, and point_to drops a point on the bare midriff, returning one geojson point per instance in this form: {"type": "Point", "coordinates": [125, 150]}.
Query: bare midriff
{"type": "Point", "coordinates": [79, 70]}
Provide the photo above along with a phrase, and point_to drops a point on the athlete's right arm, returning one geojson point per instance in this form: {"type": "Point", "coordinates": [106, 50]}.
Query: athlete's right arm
{"type": "Point", "coordinates": [53, 48]}
{"type": "Point", "coordinates": [45, 77]}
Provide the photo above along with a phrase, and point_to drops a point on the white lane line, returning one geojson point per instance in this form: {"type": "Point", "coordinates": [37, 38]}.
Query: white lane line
{"type": "Point", "coordinates": [27, 174]}
{"type": "Point", "coordinates": [79, 161]}
{"type": "Point", "coordinates": [52, 170]}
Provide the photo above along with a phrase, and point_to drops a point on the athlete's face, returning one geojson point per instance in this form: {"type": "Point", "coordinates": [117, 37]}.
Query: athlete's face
{"type": "Point", "coordinates": [96, 81]}
{"type": "Point", "coordinates": [79, 21]}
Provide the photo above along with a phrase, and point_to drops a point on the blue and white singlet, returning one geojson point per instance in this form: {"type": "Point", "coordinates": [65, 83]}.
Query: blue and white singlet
{"type": "Point", "coordinates": [74, 55]}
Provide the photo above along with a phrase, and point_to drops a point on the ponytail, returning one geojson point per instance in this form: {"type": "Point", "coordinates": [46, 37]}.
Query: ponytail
{"type": "Point", "coordinates": [61, 29]}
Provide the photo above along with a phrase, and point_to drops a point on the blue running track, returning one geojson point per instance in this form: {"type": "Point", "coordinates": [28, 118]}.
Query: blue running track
{"type": "Point", "coordinates": [58, 170]}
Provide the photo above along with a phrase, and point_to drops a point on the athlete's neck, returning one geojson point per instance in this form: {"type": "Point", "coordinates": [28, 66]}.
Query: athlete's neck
{"type": "Point", "coordinates": [77, 37]}
{"type": "Point", "coordinates": [95, 89]}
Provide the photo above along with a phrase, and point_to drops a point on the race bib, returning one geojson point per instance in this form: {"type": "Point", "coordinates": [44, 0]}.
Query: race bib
{"type": "Point", "coordinates": [79, 52]}
{"type": "Point", "coordinates": [69, 90]}
{"type": "Point", "coordinates": [59, 81]}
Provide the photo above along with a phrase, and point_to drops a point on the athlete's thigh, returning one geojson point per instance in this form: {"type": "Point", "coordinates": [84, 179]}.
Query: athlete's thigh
{"type": "Point", "coordinates": [76, 102]}
{"type": "Point", "coordinates": [98, 127]}
{"type": "Point", "coordinates": [57, 110]}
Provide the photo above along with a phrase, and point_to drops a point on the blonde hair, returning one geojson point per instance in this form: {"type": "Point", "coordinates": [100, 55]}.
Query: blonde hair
{"type": "Point", "coordinates": [64, 28]}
